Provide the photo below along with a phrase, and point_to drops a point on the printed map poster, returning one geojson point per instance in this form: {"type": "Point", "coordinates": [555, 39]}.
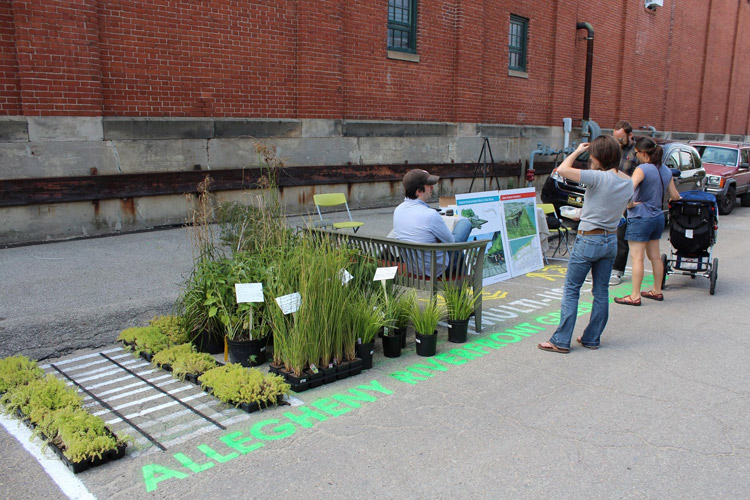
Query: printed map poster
{"type": "Point", "coordinates": [519, 217]}
{"type": "Point", "coordinates": [485, 213]}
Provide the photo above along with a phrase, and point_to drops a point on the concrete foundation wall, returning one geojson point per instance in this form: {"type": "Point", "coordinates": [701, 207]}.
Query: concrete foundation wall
{"type": "Point", "coordinates": [46, 147]}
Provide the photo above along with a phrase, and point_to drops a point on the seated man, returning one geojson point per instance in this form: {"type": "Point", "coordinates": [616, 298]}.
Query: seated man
{"type": "Point", "coordinates": [414, 221]}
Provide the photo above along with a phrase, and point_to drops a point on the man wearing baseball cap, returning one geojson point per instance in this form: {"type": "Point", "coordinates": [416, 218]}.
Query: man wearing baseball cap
{"type": "Point", "coordinates": [414, 220]}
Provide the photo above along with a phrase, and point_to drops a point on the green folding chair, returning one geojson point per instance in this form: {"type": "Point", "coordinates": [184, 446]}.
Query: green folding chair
{"type": "Point", "coordinates": [332, 200]}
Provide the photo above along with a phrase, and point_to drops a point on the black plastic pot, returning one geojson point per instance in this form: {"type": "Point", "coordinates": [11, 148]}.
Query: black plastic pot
{"type": "Point", "coordinates": [355, 367]}
{"type": "Point", "coordinates": [316, 379]}
{"type": "Point", "coordinates": [342, 371]}
{"type": "Point", "coordinates": [365, 352]}
{"type": "Point", "coordinates": [329, 374]}
{"type": "Point", "coordinates": [243, 351]}
{"type": "Point", "coordinates": [426, 344]}
{"type": "Point", "coordinates": [402, 332]}
{"type": "Point", "coordinates": [208, 342]}
{"type": "Point", "coordinates": [392, 345]}
{"type": "Point", "coordinates": [457, 330]}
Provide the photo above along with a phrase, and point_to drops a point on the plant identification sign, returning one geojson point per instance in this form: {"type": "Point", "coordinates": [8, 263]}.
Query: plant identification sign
{"type": "Point", "coordinates": [289, 303]}
{"type": "Point", "coordinates": [248, 292]}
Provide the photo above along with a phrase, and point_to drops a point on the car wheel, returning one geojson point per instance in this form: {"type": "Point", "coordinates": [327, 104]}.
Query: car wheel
{"type": "Point", "coordinates": [726, 204]}
{"type": "Point", "coordinates": [714, 276]}
{"type": "Point", "coordinates": [745, 200]}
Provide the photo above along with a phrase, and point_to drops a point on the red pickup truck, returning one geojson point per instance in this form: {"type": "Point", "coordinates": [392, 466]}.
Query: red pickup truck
{"type": "Point", "coordinates": [727, 167]}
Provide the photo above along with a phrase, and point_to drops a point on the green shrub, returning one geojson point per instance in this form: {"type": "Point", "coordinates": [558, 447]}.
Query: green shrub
{"type": "Point", "coordinates": [194, 362]}
{"type": "Point", "coordinates": [145, 338]}
{"type": "Point", "coordinates": [18, 370]}
{"type": "Point", "coordinates": [40, 398]}
{"type": "Point", "coordinates": [79, 434]}
{"type": "Point", "coordinates": [234, 384]}
{"type": "Point", "coordinates": [169, 355]}
{"type": "Point", "coordinates": [171, 327]}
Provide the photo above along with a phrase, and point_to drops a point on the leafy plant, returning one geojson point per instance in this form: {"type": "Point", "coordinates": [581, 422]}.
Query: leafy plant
{"type": "Point", "coordinates": [425, 319]}
{"type": "Point", "coordinates": [460, 301]}
{"type": "Point", "coordinates": [397, 309]}
{"type": "Point", "coordinates": [40, 398]}
{"type": "Point", "coordinates": [168, 356]}
{"type": "Point", "coordinates": [193, 362]}
{"type": "Point", "coordinates": [234, 384]}
{"type": "Point", "coordinates": [144, 338]}
{"type": "Point", "coordinates": [80, 435]}
{"type": "Point", "coordinates": [171, 327]}
{"type": "Point", "coordinates": [18, 370]}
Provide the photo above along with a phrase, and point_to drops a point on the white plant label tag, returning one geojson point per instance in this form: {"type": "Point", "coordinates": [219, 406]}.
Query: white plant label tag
{"type": "Point", "coordinates": [346, 277]}
{"type": "Point", "coordinates": [289, 303]}
{"type": "Point", "coordinates": [689, 233]}
{"type": "Point", "coordinates": [249, 292]}
{"type": "Point", "coordinates": [385, 273]}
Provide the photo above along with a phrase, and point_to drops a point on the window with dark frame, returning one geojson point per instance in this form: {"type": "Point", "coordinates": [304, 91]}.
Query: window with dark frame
{"type": "Point", "coordinates": [517, 39]}
{"type": "Point", "coordinates": [402, 25]}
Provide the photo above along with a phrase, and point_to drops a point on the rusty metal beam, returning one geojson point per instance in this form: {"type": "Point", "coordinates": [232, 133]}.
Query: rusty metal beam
{"type": "Point", "coordinates": [18, 192]}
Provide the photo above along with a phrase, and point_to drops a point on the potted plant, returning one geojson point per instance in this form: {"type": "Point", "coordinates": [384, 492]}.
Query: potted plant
{"type": "Point", "coordinates": [425, 322]}
{"type": "Point", "coordinates": [460, 303]}
{"type": "Point", "coordinates": [392, 338]}
{"type": "Point", "coordinates": [365, 319]}
{"type": "Point", "coordinates": [249, 389]}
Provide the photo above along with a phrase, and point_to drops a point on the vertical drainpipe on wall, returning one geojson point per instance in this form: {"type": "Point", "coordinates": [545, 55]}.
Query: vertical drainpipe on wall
{"type": "Point", "coordinates": [587, 89]}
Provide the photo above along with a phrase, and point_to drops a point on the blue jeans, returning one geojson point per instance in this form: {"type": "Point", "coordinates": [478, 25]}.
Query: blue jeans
{"type": "Point", "coordinates": [595, 253]}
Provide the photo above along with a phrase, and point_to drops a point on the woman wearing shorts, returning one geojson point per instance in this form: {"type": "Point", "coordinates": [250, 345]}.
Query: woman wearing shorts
{"type": "Point", "coordinates": [646, 218]}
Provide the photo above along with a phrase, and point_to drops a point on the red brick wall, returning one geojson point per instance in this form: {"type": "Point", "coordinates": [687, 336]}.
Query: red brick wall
{"type": "Point", "coordinates": [681, 68]}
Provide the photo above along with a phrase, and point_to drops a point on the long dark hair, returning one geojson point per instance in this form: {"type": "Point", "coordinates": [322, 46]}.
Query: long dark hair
{"type": "Point", "coordinates": [653, 151]}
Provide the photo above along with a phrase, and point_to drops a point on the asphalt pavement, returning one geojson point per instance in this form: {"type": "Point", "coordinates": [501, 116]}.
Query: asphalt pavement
{"type": "Point", "coordinates": [659, 411]}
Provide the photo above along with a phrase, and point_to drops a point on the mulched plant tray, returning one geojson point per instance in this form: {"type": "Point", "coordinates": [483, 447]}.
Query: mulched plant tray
{"type": "Point", "coordinates": [76, 467]}
{"type": "Point", "coordinates": [309, 380]}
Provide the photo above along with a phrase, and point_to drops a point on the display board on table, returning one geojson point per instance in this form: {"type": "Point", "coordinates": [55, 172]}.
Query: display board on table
{"type": "Point", "coordinates": [508, 219]}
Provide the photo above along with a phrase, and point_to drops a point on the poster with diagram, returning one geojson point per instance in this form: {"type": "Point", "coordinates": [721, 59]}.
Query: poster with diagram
{"type": "Point", "coordinates": [485, 213]}
{"type": "Point", "coordinates": [508, 220]}
{"type": "Point", "coordinates": [519, 218]}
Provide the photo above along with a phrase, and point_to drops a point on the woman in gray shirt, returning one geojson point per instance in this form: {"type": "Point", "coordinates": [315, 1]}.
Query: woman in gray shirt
{"type": "Point", "coordinates": [607, 192]}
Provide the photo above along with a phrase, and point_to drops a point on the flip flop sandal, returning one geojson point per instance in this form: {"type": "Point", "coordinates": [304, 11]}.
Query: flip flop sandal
{"type": "Point", "coordinates": [628, 301]}
{"type": "Point", "coordinates": [554, 348]}
{"type": "Point", "coordinates": [592, 347]}
{"type": "Point", "coordinates": [652, 295]}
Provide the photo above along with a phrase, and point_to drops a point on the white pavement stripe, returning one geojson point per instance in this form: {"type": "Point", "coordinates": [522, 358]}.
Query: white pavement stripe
{"type": "Point", "coordinates": [155, 408]}
{"type": "Point", "coordinates": [79, 358]}
{"type": "Point", "coordinates": [70, 485]}
{"type": "Point", "coordinates": [204, 430]}
{"type": "Point", "coordinates": [69, 370]}
{"type": "Point", "coordinates": [114, 371]}
{"type": "Point", "coordinates": [144, 400]}
{"type": "Point", "coordinates": [136, 384]}
{"type": "Point", "coordinates": [99, 361]}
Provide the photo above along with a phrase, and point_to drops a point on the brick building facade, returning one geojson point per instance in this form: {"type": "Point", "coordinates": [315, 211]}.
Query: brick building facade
{"type": "Point", "coordinates": [129, 87]}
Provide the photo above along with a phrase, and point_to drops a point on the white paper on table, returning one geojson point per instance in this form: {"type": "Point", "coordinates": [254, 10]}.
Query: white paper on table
{"type": "Point", "coordinates": [346, 276]}
{"type": "Point", "coordinates": [249, 292]}
{"type": "Point", "coordinates": [385, 273]}
{"type": "Point", "coordinates": [289, 303]}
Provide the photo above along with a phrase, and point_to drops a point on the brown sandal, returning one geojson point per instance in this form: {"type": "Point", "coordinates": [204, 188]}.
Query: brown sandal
{"type": "Point", "coordinates": [553, 348]}
{"type": "Point", "coordinates": [651, 295]}
{"type": "Point", "coordinates": [592, 347]}
{"type": "Point", "coordinates": [628, 301]}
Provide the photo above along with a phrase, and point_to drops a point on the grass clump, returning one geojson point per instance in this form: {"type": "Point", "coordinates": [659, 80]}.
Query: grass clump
{"type": "Point", "coordinates": [459, 300]}
{"type": "Point", "coordinates": [183, 359]}
{"type": "Point", "coordinates": [18, 370]}
{"type": "Point", "coordinates": [425, 319]}
{"type": "Point", "coordinates": [235, 385]}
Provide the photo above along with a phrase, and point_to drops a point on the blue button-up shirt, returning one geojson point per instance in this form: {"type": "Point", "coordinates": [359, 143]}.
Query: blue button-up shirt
{"type": "Point", "coordinates": [414, 221]}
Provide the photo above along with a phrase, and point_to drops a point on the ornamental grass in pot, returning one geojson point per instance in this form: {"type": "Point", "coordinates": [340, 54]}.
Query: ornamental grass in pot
{"type": "Point", "coordinates": [460, 302]}
{"type": "Point", "coordinates": [365, 319]}
{"type": "Point", "coordinates": [425, 321]}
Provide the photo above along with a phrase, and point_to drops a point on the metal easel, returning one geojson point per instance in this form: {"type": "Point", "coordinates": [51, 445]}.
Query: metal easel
{"type": "Point", "coordinates": [482, 163]}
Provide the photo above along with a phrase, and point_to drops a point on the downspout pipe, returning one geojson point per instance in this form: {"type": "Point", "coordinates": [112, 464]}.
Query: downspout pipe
{"type": "Point", "coordinates": [589, 65]}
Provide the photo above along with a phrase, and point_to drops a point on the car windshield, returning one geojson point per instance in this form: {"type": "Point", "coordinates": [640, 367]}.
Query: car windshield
{"type": "Point", "coordinates": [717, 155]}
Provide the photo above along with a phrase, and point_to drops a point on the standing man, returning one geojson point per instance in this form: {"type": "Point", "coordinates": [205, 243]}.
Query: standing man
{"type": "Point", "coordinates": [623, 132]}
{"type": "Point", "coordinates": [414, 220]}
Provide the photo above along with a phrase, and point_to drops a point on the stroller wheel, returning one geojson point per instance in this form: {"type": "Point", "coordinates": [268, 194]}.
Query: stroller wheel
{"type": "Point", "coordinates": [665, 264]}
{"type": "Point", "coordinates": [714, 275]}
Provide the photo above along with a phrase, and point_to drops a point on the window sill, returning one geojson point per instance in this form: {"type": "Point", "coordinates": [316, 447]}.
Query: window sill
{"type": "Point", "coordinates": [403, 56]}
{"type": "Point", "coordinates": [517, 74]}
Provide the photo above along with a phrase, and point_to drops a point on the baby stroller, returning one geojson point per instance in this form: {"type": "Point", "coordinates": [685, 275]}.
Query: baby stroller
{"type": "Point", "coordinates": [693, 224]}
